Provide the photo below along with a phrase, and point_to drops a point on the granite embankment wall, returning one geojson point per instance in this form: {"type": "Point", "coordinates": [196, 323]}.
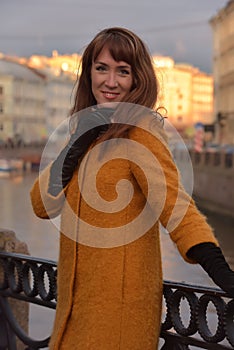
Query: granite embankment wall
{"type": "Point", "coordinates": [30, 152]}
{"type": "Point", "coordinates": [29, 156]}
{"type": "Point", "coordinates": [213, 174]}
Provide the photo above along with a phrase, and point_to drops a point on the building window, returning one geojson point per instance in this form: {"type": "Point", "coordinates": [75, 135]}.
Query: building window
{"type": "Point", "coordinates": [1, 107]}
{"type": "Point", "coordinates": [1, 90]}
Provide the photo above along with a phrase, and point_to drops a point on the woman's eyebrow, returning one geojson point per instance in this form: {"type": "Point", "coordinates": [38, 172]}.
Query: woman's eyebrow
{"type": "Point", "coordinates": [99, 62]}
{"type": "Point", "coordinates": [125, 66]}
{"type": "Point", "coordinates": [104, 64]}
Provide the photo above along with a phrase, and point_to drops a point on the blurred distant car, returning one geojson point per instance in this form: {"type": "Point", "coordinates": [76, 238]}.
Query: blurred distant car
{"type": "Point", "coordinates": [219, 148]}
{"type": "Point", "coordinates": [228, 148]}
{"type": "Point", "coordinates": [214, 147]}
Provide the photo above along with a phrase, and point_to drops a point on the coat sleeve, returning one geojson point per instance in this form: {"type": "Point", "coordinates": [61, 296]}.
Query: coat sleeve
{"type": "Point", "coordinates": [45, 205]}
{"type": "Point", "coordinates": [161, 179]}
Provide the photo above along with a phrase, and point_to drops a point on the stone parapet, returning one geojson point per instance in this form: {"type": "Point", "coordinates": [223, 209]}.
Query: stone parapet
{"type": "Point", "coordinates": [10, 244]}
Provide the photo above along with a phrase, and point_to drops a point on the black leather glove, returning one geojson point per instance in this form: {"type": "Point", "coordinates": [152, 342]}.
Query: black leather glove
{"type": "Point", "coordinates": [62, 169]}
{"type": "Point", "coordinates": [211, 258]}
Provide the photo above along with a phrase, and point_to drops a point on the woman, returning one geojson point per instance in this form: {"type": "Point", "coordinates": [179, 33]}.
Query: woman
{"type": "Point", "coordinates": [110, 290]}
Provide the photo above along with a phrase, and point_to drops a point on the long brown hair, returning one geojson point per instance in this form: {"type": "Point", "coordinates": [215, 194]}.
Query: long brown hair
{"type": "Point", "coordinates": [126, 46]}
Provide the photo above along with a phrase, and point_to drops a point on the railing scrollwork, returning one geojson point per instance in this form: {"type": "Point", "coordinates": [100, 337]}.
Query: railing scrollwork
{"type": "Point", "coordinates": [34, 280]}
{"type": "Point", "coordinates": [198, 300]}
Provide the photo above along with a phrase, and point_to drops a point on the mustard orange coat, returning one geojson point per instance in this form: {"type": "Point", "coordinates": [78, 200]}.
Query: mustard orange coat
{"type": "Point", "coordinates": [109, 298]}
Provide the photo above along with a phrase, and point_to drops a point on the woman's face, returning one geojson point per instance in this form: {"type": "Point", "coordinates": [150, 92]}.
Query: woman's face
{"type": "Point", "coordinates": [111, 80]}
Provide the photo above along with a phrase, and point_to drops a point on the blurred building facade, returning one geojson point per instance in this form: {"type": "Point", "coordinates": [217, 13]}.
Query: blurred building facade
{"type": "Point", "coordinates": [185, 92]}
{"type": "Point", "coordinates": [223, 68]}
{"type": "Point", "coordinates": [58, 100]}
{"type": "Point", "coordinates": [69, 64]}
{"type": "Point", "coordinates": [34, 100]}
{"type": "Point", "coordinates": [22, 101]}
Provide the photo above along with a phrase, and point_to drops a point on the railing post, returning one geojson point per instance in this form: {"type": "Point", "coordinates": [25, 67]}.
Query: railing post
{"type": "Point", "coordinates": [3, 333]}
{"type": "Point", "coordinates": [7, 336]}
{"type": "Point", "coordinates": [9, 243]}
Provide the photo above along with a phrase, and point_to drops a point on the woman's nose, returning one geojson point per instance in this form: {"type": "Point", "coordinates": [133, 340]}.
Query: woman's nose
{"type": "Point", "coordinates": [111, 81]}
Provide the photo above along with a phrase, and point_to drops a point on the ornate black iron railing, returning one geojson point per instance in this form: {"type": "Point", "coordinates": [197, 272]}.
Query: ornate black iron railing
{"type": "Point", "coordinates": [34, 280]}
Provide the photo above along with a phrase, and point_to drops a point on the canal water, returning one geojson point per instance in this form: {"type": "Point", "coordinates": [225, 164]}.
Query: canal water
{"type": "Point", "coordinates": [42, 239]}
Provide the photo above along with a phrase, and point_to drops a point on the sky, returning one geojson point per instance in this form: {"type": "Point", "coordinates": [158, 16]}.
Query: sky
{"type": "Point", "coordinates": [176, 28]}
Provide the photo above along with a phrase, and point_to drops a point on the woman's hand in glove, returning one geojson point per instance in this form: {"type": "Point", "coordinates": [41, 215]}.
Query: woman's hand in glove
{"type": "Point", "coordinates": [211, 258]}
{"type": "Point", "coordinates": [90, 126]}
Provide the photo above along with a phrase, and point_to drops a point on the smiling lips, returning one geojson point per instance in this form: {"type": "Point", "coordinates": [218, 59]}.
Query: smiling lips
{"type": "Point", "coordinates": [110, 95]}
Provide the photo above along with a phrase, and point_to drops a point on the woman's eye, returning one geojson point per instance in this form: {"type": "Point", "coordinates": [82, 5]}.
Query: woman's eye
{"type": "Point", "coordinates": [100, 68]}
{"type": "Point", "coordinates": [124, 71]}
